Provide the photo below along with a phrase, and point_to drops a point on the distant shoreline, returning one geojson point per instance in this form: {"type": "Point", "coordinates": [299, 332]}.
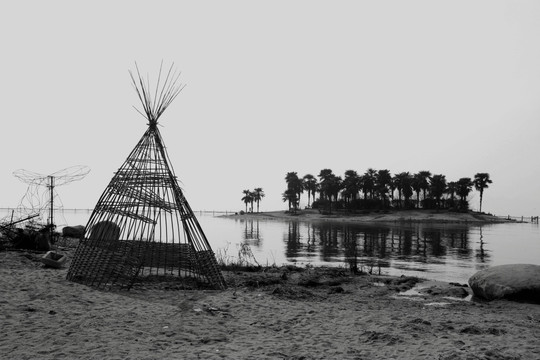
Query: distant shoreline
{"type": "Point", "coordinates": [393, 216]}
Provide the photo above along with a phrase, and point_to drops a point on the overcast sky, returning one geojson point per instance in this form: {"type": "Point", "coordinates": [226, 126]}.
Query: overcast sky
{"type": "Point", "coordinates": [452, 87]}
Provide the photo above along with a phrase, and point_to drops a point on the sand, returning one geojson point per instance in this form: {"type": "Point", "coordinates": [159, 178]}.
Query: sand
{"type": "Point", "coordinates": [280, 313]}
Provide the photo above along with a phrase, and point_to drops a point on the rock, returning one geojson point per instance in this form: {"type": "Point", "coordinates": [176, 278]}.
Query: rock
{"type": "Point", "coordinates": [519, 282]}
{"type": "Point", "coordinates": [42, 242]}
{"type": "Point", "coordinates": [105, 230]}
{"type": "Point", "coordinates": [32, 240]}
{"type": "Point", "coordinates": [73, 231]}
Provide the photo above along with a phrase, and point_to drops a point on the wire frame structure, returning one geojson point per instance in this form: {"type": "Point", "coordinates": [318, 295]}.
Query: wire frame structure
{"type": "Point", "coordinates": [41, 196]}
{"type": "Point", "coordinates": [142, 224]}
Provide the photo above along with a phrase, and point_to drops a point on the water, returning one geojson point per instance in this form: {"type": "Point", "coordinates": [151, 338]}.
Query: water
{"type": "Point", "coordinates": [446, 252]}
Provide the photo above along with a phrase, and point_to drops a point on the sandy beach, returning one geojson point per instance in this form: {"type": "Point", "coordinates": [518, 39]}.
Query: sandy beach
{"type": "Point", "coordinates": [280, 313]}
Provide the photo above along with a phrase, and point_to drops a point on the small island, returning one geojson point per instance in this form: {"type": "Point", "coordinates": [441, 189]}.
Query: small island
{"type": "Point", "coordinates": [389, 216]}
{"type": "Point", "coordinates": [377, 196]}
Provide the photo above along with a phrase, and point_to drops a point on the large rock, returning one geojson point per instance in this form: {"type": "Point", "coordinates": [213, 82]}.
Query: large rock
{"type": "Point", "coordinates": [515, 282]}
{"type": "Point", "coordinates": [73, 231]}
{"type": "Point", "coordinates": [105, 230]}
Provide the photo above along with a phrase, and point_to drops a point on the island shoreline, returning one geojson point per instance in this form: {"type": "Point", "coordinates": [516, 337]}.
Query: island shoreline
{"type": "Point", "coordinates": [383, 216]}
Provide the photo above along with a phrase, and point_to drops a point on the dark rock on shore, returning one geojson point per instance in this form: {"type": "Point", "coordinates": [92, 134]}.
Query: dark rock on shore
{"type": "Point", "coordinates": [520, 282]}
{"type": "Point", "coordinates": [73, 231]}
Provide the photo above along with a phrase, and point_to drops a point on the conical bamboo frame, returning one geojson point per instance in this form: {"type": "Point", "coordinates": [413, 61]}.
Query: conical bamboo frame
{"type": "Point", "coordinates": [142, 224]}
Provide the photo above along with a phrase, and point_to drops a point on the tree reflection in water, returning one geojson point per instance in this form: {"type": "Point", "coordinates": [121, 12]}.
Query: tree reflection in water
{"type": "Point", "coordinates": [252, 235]}
{"type": "Point", "coordinates": [294, 243]}
{"type": "Point", "coordinates": [446, 252]}
{"type": "Point", "coordinates": [482, 255]}
{"type": "Point", "coordinates": [372, 247]}
{"type": "Point", "coordinates": [368, 247]}
{"type": "Point", "coordinates": [327, 238]}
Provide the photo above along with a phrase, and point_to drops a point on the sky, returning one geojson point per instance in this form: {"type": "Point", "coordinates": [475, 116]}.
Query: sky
{"type": "Point", "coordinates": [272, 87]}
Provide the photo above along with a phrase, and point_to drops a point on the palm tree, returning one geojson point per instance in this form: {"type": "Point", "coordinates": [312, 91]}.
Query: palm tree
{"type": "Point", "coordinates": [330, 185]}
{"type": "Point", "coordinates": [258, 194]}
{"type": "Point", "coordinates": [368, 182]}
{"type": "Point", "coordinates": [351, 185]}
{"type": "Point", "coordinates": [325, 176]}
{"type": "Point", "coordinates": [292, 197]}
{"type": "Point", "coordinates": [309, 183]}
{"type": "Point", "coordinates": [383, 182]}
{"type": "Point", "coordinates": [248, 198]}
{"type": "Point", "coordinates": [438, 187]}
{"type": "Point", "coordinates": [464, 187]}
{"type": "Point", "coordinates": [294, 183]}
{"type": "Point", "coordinates": [392, 189]}
{"type": "Point", "coordinates": [481, 182]}
{"type": "Point", "coordinates": [451, 189]}
{"type": "Point", "coordinates": [407, 189]}
{"type": "Point", "coordinates": [402, 181]}
{"type": "Point", "coordinates": [423, 178]}
{"type": "Point", "coordinates": [416, 186]}
{"type": "Point", "coordinates": [335, 187]}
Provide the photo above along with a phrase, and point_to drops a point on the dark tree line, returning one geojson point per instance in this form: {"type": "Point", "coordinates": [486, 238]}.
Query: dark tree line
{"type": "Point", "coordinates": [379, 190]}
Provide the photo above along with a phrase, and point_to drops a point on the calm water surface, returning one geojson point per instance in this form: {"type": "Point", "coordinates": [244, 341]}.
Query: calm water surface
{"type": "Point", "coordinates": [447, 252]}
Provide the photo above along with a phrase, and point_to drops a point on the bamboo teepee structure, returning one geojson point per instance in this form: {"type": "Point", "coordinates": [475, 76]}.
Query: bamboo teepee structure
{"type": "Point", "coordinates": [142, 224]}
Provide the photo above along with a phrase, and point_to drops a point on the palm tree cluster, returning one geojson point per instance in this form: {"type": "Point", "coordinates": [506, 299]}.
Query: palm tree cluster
{"type": "Point", "coordinates": [379, 189]}
{"type": "Point", "coordinates": [251, 197]}
{"type": "Point", "coordinates": [295, 186]}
